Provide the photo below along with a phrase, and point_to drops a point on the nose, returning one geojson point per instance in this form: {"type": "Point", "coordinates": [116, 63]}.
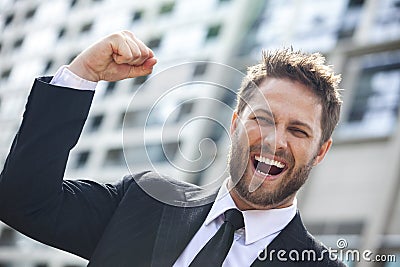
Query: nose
{"type": "Point", "coordinates": [276, 139]}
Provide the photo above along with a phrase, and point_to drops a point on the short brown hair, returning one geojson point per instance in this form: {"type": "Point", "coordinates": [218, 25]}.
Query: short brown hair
{"type": "Point", "coordinates": [308, 69]}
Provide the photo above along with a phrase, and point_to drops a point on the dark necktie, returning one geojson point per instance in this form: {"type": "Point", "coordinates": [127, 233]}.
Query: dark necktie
{"type": "Point", "coordinates": [216, 249]}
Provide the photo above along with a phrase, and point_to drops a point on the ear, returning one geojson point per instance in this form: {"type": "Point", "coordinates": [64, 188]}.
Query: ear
{"type": "Point", "coordinates": [234, 122]}
{"type": "Point", "coordinates": [322, 151]}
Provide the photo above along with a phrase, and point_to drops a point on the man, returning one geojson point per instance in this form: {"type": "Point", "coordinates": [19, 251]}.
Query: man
{"type": "Point", "coordinates": [273, 150]}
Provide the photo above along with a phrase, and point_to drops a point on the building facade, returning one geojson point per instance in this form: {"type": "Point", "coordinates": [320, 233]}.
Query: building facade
{"type": "Point", "coordinates": [176, 121]}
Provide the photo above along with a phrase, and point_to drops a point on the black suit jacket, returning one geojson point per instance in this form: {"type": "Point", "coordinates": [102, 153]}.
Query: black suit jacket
{"type": "Point", "coordinates": [118, 224]}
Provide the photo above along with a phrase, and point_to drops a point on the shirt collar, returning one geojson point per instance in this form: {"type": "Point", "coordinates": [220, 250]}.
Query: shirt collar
{"type": "Point", "coordinates": [258, 223]}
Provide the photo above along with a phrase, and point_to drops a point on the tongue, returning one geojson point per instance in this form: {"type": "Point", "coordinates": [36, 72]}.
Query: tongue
{"type": "Point", "coordinates": [275, 170]}
{"type": "Point", "coordinates": [268, 169]}
{"type": "Point", "coordinates": [263, 167]}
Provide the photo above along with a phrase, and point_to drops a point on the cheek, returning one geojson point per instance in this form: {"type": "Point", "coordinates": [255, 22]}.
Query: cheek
{"type": "Point", "coordinates": [253, 132]}
{"type": "Point", "coordinates": [303, 152]}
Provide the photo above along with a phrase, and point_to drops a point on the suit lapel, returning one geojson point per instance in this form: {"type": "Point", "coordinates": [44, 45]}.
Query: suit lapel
{"type": "Point", "coordinates": [177, 227]}
{"type": "Point", "coordinates": [179, 224]}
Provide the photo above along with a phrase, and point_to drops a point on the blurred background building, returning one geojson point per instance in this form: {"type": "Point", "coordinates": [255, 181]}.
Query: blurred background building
{"type": "Point", "coordinates": [353, 194]}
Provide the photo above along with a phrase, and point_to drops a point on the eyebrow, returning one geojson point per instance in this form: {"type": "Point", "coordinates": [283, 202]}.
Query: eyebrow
{"type": "Point", "coordinates": [267, 111]}
{"type": "Point", "coordinates": [300, 123]}
{"type": "Point", "coordinates": [293, 122]}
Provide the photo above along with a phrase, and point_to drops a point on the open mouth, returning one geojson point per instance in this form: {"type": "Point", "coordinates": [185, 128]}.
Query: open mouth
{"type": "Point", "coordinates": [268, 167]}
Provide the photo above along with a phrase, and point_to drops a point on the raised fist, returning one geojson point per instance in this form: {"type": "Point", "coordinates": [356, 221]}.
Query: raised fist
{"type": "Point", "coordinates": [116, 57]}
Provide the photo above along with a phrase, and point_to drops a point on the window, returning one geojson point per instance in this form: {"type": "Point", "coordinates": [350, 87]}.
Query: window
{"type": "Point", "coordinates": [386, 22]}
{"type": "Point", "coordinates": [167, 151]}
{"type": "Point", "coordinates": [82, 159]}
{"type": "Point", "coordinates": [31, 13]}
{"type": "Point", "coordinates": [110, 88]}
{"type": "Point", "coordinates": [139, 80]}
{"type": "Point", "coordinates": [353, 3]}
{"type": "Point", "coordinates": [7, 237]}
{"type": "Point", "coordinates": [200, 69]}
{"type": "Point", "coordinates": [161, 152]}
{"type": "Point", "coordinates": [18, 43]}
{"type": "Point", "coordinates": [94, 122]}
{"type": "Point", "coordinates": [137, 15]}
{"type": "Point", "coordinates": [6, 73]}
{"type": "Point", "coordinates": [49, 64]}
{"type": "Point", "coordinates": [184, 109]}
{"type": "Point", "coordinates": [165, 113]}
{"type": "Point", "coordinates": [350, 19]}
{"type": "Point", "coordinates": [131, 119]}
{"type": "Point", "coordinates": [375, 106]}
{"type": "Point", "coordinates": [151, 153]}
{"type": "Point", "coordinates": [154, 43]}
{"type": "Point", "coordinates": [9, 19]}
{"type": "Point", "coordinates": [61, 33]}
{"type": "Point", "coordinates": [213, 31]}
{"type": "Point", "coordinates": [167, 8]}
{"type": "Point", "coordinates": [87, 27]}
{"type": "Point", "coordinates": [73, 3]}
{"type": "Point", "coordinates": [229, 98]}
{"type": "Point", "coordinates": [115, 157]}
{"type": "Point", "coordinates": [217, 131]}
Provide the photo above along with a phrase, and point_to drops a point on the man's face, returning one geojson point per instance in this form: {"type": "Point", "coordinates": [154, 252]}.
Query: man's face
{"type": "Point", "coordinates": [275, 144]}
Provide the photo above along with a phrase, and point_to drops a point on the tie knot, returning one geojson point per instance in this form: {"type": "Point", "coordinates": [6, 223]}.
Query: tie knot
{"type": "Point", "coordinates": [234, 217]}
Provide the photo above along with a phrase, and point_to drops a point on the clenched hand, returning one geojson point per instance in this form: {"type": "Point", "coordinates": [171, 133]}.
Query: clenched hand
{"type": "Point", "coordinates": [116, 57]}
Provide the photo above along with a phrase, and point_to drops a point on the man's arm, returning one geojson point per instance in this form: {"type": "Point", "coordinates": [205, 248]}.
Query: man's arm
{"type": "Point", "coordinates": [34, 199]}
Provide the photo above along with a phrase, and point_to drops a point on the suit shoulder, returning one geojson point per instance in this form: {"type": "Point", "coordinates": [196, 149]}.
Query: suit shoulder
{"type": "Point", "coordinates": [170, 191]}
{"type": "Point", "coordinates": [160, 187]}
{"type": "Point", "coordinates": [155, 179]}
{"type": "Point", "coordinates": [305, 248]}
{"type": "Point", "coordinates": [326, 255]}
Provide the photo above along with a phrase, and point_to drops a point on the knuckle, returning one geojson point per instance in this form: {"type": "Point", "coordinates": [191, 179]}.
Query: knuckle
{"type": "Point", "coordinates": [116, 35]}
{"type": "Point", "coordinates": [128, 33]}
{"type": "Point", "coordinates": [136, 54]}
{"type": "Point", "coordinates": [145, 53]}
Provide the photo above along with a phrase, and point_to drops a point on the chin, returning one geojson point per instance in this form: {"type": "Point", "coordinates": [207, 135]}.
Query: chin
{"type": "Point", "coordinates": [261, 198]}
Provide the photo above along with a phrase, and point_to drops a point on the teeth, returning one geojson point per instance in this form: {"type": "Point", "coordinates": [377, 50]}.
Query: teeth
{"type": "Point", "coordinates": [266, 174]}
{"type": "Point", "coordinates": [270, 161]}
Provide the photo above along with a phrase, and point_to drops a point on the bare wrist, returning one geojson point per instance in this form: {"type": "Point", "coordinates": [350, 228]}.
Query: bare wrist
{"type": "Point", "coordinates": [82, 72]}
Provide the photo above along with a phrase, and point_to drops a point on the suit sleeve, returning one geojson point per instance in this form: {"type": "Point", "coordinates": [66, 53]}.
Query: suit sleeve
{"type": "Point", "coordinates": [34, 198]}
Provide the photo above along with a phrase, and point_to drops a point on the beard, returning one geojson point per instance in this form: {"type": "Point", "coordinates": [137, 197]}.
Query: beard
{"type": "Point", "coordinates": [241, 175]}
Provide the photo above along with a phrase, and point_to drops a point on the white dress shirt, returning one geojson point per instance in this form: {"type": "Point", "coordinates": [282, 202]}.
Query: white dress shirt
{"type": "Point", "coordinates": [261, 226]}
{"type": "Point", "coordinates": [65, 77]}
